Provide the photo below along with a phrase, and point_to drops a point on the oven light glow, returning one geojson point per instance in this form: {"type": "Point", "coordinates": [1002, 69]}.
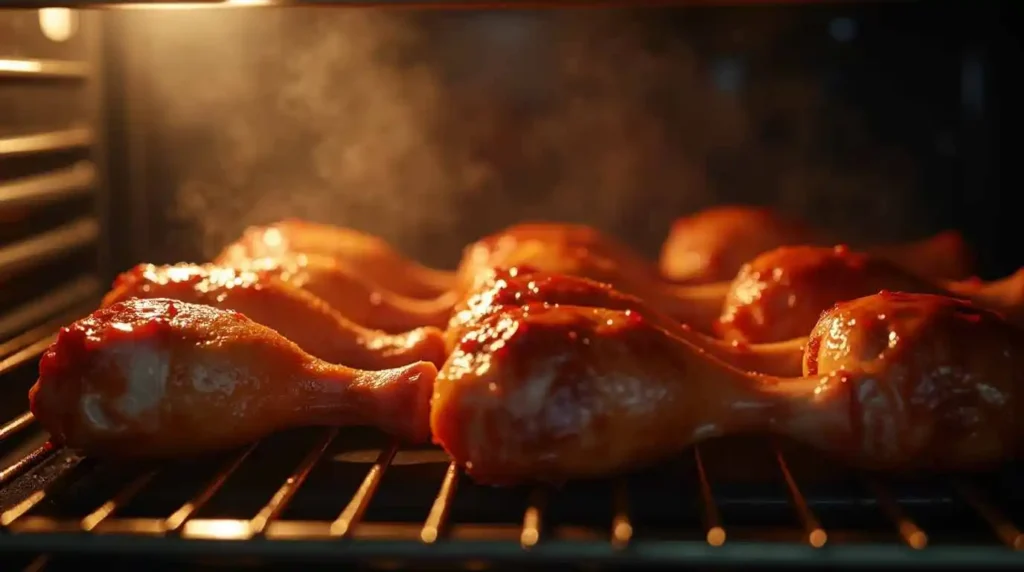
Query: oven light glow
{"type": "Point", "coordinates": [58, 24]}
{"type": "Point", "coordinates": [25, 66]}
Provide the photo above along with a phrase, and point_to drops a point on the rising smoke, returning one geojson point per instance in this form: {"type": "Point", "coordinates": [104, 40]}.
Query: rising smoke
{"type": "Point", "coordinates": [433, 129]}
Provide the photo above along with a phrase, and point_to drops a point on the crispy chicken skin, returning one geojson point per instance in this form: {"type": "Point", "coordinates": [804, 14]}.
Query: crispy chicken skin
{"type": "Point", "coordinates": [368, 255]}
{"type": "Point", "coordinates": [298, 315]}
{"type": "Point", "coordinates": [517, 286]}
{"type": "Point", "coordinates": [556, 393]}
{"type": "Point", "coordinates": [164, 378]}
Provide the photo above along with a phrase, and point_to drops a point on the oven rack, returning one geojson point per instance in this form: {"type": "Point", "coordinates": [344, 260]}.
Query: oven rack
{"type": "Point", "coordinates": [52, 504]}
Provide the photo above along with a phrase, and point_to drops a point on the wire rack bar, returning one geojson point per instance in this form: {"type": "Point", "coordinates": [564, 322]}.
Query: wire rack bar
{"type": "Point", "coordinates": [16, 425]}
{"type": "Point", "coordinates": [9, 516]}
{"type": "Point", "coordinates": [26, 68]}
{"type": "Point", "coordinates": [24, 464]}
{"type": "Point", "coordinates": [622, 528]}
{"type": "Point", "coordinates": [29, 253]}
{"type": "Point", "coordinates": [353, 512]}
{"type": "Point", "coordinates": [93, 519]}
{"type": "Point", "coordinates": [1007, 532]}
{"type": "Point", "coordinates": [38, 564]}
{"type": "Point", "coordinates": [909, 531]}
{"type": "Point", "coordinates": [533, 518]}
{"type": "Point", "coordinates": [33, 143]}
{"type": "Point", "coordinates": [179, 517]}
{"type": "Point", "coordinates": [715, 532]}
{"type": "Point", "coordinates": [25, 354]}
{"type": "Point", "coordinates": [438, 515]}
{"type": "Point", "coordinates": [48, 188]}
{"type": "Point", "coordinates": [816, 535]}
{"type": "Point", "coordinates": [284, 495]}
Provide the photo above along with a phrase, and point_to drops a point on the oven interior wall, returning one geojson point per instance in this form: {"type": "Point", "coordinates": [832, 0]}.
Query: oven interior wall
{"type": "Point", "coordinates": [433, 128]}
{"type": "Point", "coordinates": [53, 208]}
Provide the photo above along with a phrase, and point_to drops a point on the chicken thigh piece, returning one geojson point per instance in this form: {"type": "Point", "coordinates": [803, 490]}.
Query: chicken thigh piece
{"type": "Point", "coordinates": [164, 378]}
{"type": "Point", "coordinates": [297, 315]}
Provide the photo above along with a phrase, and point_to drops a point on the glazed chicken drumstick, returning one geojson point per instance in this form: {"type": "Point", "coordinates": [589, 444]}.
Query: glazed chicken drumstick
{"type": "Point", "coordinates": [712, 245]}
{"type": "Point", "coordinates": [895, 382]}
{"type": "Point", "coordinates": [372, 257]}
{"type": "Point", "coordinates": [582, 251]}
{"type": "Point", "coordinates": [353, 297]}
{"type": "Point", "coordinates": [520, 286]}
{"type": "Point", "coordinates": [297, 315]}
{"type": "Point", "coordinates": [163, 378]}
{"type": "Point", "coordinates": [780, 294]}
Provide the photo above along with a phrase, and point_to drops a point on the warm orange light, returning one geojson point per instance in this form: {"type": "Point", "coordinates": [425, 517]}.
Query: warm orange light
{"type": "Point", "coordinates": [25, 66]}
{"type": "Point", "coordinates": [58, 24]}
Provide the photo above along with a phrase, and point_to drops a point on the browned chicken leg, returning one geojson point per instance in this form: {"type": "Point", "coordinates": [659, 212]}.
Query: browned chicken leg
{"type": "Point", "coordinates": [514, 287]}
{"type": "Point", "coordinates": [298, 315]}
{"type": "Point", "coordinates": [1005, 295]}
{"type": "Point", "coordinates": [577, 250]}
{"type": "Point", "coordinates": [712, 245]}
{"type": "Point", "coordinates": [782, 292]}
{"type": "Point", "coordinates": [353, 297]}
{"type": "Point", "coordinates": [368, 255]}
{"type": "Point", "coordinates": [555, 393]}
{"type": "Point", "coordinates": [162, 378]}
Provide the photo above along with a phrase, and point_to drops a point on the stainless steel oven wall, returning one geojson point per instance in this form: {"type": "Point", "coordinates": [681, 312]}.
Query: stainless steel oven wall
{"type": "Point", "coordinates": [53, 252]}
{"type": "Point", "coordinates": [52, 247]}
{"type": "Point", "coordinates": [433, 128]}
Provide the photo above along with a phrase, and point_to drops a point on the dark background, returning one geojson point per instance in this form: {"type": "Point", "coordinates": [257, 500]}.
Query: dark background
{"type": "Point", "coordinates": [883, 121]}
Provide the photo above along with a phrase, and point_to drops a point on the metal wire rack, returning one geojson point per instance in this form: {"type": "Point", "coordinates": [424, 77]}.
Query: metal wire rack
{"type": "Point", "coordinates": [349, 495]}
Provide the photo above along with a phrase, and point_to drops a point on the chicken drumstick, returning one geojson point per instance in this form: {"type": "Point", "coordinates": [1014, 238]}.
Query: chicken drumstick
{"type": "Point", "coordinates": [353, 297]}
{"type": "Point", "coordinates": [522, 286]}
{"type": "Point", "coordinates": [578, 250]}
{"type": "Point", "coordinates": [163, 378]}
{"type": "Point", "coordinates": [781, 293]}
{"type": "Point", "coordinates": [556, 393]}
{"type": "Point", "coordinates": [298, 315]}
{"type": "Point", "coordinates": [713, 244]}
{"type": "Point", "coordinates": [369, 255]}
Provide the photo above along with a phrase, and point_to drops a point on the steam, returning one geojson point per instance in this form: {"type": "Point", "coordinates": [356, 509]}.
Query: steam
{"type": "Point", "coordinates": [433, 129]}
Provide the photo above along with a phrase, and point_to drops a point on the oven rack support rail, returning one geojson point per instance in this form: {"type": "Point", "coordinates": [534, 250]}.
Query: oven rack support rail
{"type": "Point", "coordinates": [348, 537]}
